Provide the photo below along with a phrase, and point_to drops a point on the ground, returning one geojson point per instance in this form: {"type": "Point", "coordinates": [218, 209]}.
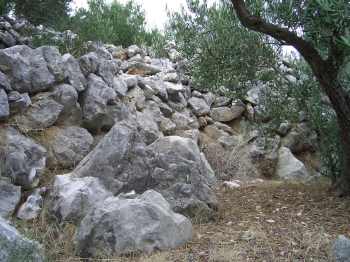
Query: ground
{"type": "Point", "coordinates": [264, 221]}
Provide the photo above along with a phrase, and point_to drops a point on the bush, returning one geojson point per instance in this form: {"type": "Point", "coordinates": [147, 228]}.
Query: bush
{"type": "Point", "coordinates": [116, 24]}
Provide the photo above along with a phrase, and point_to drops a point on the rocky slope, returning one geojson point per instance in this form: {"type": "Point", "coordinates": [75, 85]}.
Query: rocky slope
{"type": "Point", "coordinates": [137, 149]}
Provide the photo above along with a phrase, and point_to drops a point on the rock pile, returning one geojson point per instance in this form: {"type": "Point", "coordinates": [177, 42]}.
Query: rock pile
{"type": "Point", "coordinates": [121, 121]}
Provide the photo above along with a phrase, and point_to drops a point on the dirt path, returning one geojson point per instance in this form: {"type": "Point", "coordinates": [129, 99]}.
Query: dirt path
{"type": "Point", "coordinates": [268, 221]}
{"type": "Point", "coordinates": [265, 221]}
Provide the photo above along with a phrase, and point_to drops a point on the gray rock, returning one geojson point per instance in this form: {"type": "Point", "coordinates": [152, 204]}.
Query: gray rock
{"type": "Point", "coordinates": [284, 128]}
{"type": "Point", "coordinates": [148, 127]}
{"type": "Point", "coordinates": [107, 70]}
{"type": "Point", "coordinates": [191, 134]}
{"type": "Point", "coordinates": [209, 98]}
{"type": "Point", "coordinates": [124, 226]}
{"type": "Point", "coordinates": [5, 82]}
{"type": "Point", "coordinates": [214, 132]}
{"type": "Point", "coordinates": [15, 247]}
{"type": "Point", "coordinates": [184, 121]}
{"type": "Point", "coordinates": [222, 114]}
{"type": "Point", "coordinates": [26, 68]}
{"type": "Point", "coordinates": [72, 73]}
{"type": "Point", "coordinates": [341, 249]}
{"type": "Point", "coordinates": [23, 160]}
{"type": "Point", "coordinates": [18, 102]}
{"type": "Point", "coordinates": [4, 105]}
{"type": "Point", "coordinates": [120, 86]}
{"type": "Point", "coordinates": [67, 146]}
{"type": "Point", "coordinates": [54, 61]}
{"type": "Point", "coordinates": [72, 198]}
{"type": "Point", "coordinates": [10, 195]}
{"type": "Point", "coordinates": [199, 106]}
{"type": "Point", "coordinates": [67, 96]}
{"type": "Point", "coordinates": [170, 165]}
{"type": "Point", "coordinates": [89, 63]}
{"type": "Point", "coordinates": [7, 39]}
{"type": "Point", "coordinates": [43, 113]}
{"type": "Point", "coordinates": [289, 167]}
{"type": "Point", "coordinates": [32, 207]}
{"type": "Point", "coordinates": [94, 103]}
{"type": "Point", "coordinates": [137, 68]}
{"type": "Point", "coordinates": [222, 101]}
{"type": "Point", "coordinates": [133, 50]}
{"type": "Point", "coordinates": [167, 126]}
{"type": "Point", "coordinates": [256, 95]}
{"type": "Point", "coordinates": [237, 108]}
{"type": "Point", "coordinates": [301, 139]}
{"type": "Point", "coordinates": [228, 142]}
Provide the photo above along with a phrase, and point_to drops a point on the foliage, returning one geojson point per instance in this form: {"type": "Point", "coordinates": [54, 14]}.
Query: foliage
{"type": "Point", "coordinates": [39, 12]}
{"type": "Point", "coordinates": [5, 6]}
{"type": "Point", "coordinates": [117, 24]}
{"type": "Point", "coordinates": [221, 52]}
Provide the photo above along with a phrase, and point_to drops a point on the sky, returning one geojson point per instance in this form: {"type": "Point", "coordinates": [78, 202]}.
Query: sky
{"type": "Point", "coordinates": [155, 10]}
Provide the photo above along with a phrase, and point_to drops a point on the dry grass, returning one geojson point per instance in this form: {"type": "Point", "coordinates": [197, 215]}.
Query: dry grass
{"type": "Point", "coordinates": [270, 221]}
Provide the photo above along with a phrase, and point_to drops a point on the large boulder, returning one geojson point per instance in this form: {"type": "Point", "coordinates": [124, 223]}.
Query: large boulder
{"type": "Point", "coordinates": [67, 146]}
{"type": "Point", "coordinates": [72, 198]}
{"type": "Point", "coordinates": [15, 247]}
{"type": "Point", "coordinates": [120, 226]}
{"type": "Point", "coordinates": [10, 196]}
{"type": "Point", "coordinates": [27, 69]}
{"type": "Point", "coordinates": [289, 167]}
{"type": "Point", "coordinates": [341, 249]}
{"type": "Point", "coordinates": [171, 165]}
{"type": "Point", "coordinates": [23, 160]}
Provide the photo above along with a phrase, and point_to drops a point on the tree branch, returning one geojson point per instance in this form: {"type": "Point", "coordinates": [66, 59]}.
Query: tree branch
{"type": "Point", "coordinates": [258, 24]}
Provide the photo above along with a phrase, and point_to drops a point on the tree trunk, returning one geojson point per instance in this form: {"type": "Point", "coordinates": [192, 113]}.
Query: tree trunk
{"type": "Point", "coordinates": [326, 72]}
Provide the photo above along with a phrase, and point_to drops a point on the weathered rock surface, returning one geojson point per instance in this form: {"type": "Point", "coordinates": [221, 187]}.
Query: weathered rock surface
{"type": "Point", "coordinates": [26, 68]}
{"type": "Point", "coordinates": [199, 106]}
{"type": "Point", "coordinates": [289, 167]}
{"type": "Point", "coordinates": [170, 165]}
{"type": "Point", "coordinates": [341, 249]}
{"type": "Point", "coordinates": [67, 146]}
{"type": "Point", "coordinates": [72, 198]}
{"type": "Point", "coordinates": [15, 247]}
{"type": "Point", "coordinates": [10, 196]}
{"type": "Point", "coordinates": [24, 160]}
{"type": "Point", "coordinates": [123, 226]}
{"type": "Point", "coordinates": [4, 105]}
{"type": "Point", "coordinates": [43, 113]}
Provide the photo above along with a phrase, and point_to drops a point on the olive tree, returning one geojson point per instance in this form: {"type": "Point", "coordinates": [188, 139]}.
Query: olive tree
{"type": "Point", "coordinates": [320, 31]}
{"type": "Point", "coordinates": [220, 51]}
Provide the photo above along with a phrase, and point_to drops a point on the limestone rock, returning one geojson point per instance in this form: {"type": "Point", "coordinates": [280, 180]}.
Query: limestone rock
{"type": "Point", "coordinates": [4, 105]}
{"type": "Point", "coordinates": [341, 249]}
{"type": "Point", "coordinates": [72, 198]}
{"type": "Point", "coordinates": [26, 68]}
{"type": "Point", "coordinates": [199, 106]}
{"type": "Point", "coordinates": [24, 160]}
{"type": "Point", "coordinates": [15, 247]}
{"type": "Point", "coordinates": [67, 146]}
{"type": "Point", "coordinates": [10, 196]}
{"type": "Point", "coordinates": [289, 167]}
{"type": "Point", "coordinates": [123, 226]}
